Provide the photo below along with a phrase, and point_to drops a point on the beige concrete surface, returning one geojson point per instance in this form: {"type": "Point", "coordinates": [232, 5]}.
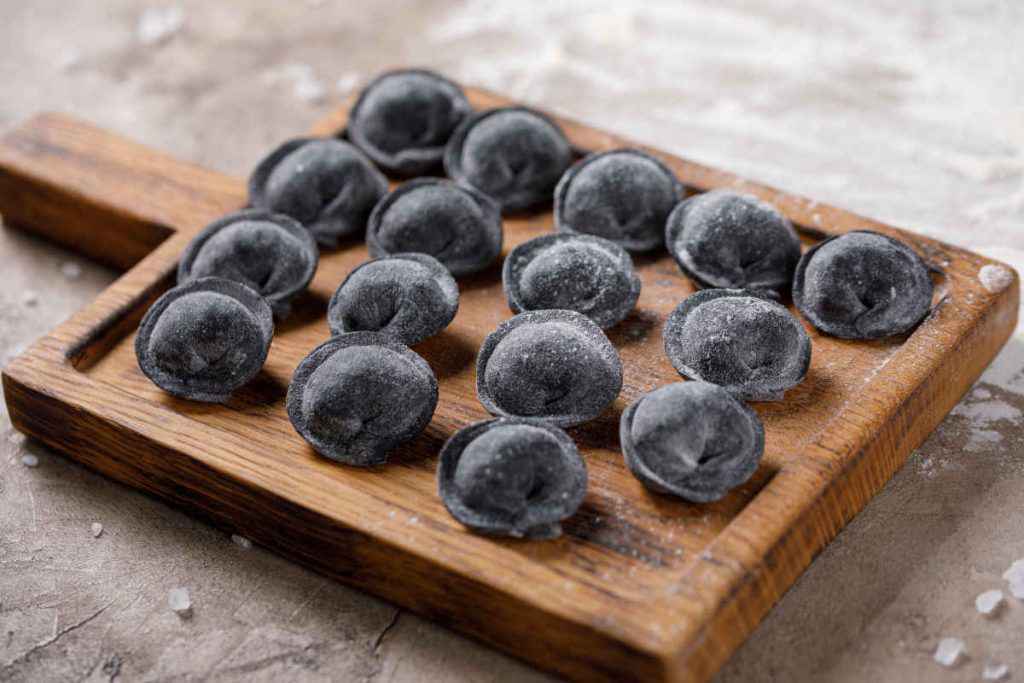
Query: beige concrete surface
{"type": "Point", "coordinates": [912, 112]}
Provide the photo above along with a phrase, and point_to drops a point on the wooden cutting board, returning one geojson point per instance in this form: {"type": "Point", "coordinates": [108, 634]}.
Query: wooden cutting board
{"type": "Point", "coordinates": [641, 586]}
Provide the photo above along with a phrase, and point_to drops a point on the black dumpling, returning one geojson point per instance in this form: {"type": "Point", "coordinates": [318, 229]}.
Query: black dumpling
{"type": "Point", "coordinates": [403, 120]}
{"type": "Point", "coordinates": [204, 339]}
{"type": "Point", "coordinates": [862, 285]}
{"type": "Point", "coordinates": [691, 439]}
{"type": "Point", "coordinates": [582, 273]}
{"type": "Point", "coordinates": [268, 252]}
{"type": "Point", "coordinates": [734, 241]}
{"type": "Point", "coordinates": [512, 477]}
{"type": "Point", "coordinates": [408, 296]}
{"type": "Point", "coordinates": [458, 226]}
{"type": "Point", "coordinates": [514, 155]}
{"type": "Point", "coordinates": [327, 185]}
{"type": "Point", "coordinates": [554, 365]}
{"type": "Point", "coordinates": [739, 339]}
{"type": "Point", "coordinates": [623, 195]}
{"type": "Point", "coordinates": [357, 396]}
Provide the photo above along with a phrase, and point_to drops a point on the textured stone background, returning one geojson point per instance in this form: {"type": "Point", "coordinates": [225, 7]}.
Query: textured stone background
{"type": "Point", "coordinates": [911, 112]}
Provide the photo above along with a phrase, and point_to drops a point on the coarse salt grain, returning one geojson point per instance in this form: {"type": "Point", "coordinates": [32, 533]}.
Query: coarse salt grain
{"type": "Point", "coordinates": [179, 600]}
{"type": "Point", "coordinates": [241, 541]}
{"type": "Point", "coordinates": [1015, 577]}
{"type": "Point", "coordinates": [988, 603]}
{"type": "Point", "coordinates": [29, 460]}
{"type": "Point", "coordinates": [97, 529]}
{"type": "Point", "coordinates": [949, 651]}
{"type": "Point", "coordinates": [994, 671]}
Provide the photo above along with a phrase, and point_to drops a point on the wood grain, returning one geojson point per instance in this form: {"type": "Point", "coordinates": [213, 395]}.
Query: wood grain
{"type": "Point", "coordinates": [641, 587]}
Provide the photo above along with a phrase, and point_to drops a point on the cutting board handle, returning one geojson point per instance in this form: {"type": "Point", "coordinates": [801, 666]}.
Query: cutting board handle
{"type": "Point", "coordinates": [100, 194]}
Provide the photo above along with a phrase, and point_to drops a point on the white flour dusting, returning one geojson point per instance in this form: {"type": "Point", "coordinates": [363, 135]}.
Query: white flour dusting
{"type": "Point", "coordinates": [346, 83]}
{"type": "Point", "coordinates": [306, 86]}
{"type": "Point", "coordinates": [158, 24]}
{"type": "Point", "coordinates": [995, 278]}
{"type": "Point", "coordinates": [983, 412]}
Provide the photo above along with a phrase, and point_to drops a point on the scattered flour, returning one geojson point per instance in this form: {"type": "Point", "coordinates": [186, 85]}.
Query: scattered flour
{"type": "Point", "coordinates": [71, 270]}
{"type": "Point", "coordinates": [983, 412]}
{"type": "Point", "coordinates": [1007, 204]}
{"type": "Point", "coordinates": [179, 600]}
{"type": "Point", "coordinates": [241, 541]}
{"type": "Point", "coordinates": [97, 529]}
{"type": "Point", "coordinates": [158, 24]}
{"type": "Point", "coordinates": [346, 83]}
{"type": "Point", "coordinates": [994, 671]}
{"type": "Point", "coordinates": [995, 278]}
{"type": "Point", "coordinates": [949, 651]}
{"type": "Point", "coordinates": [69, 59]}
{"type": "Point", "coordinates": [989, 602]}
{"type": "Point", "coordinates": [303, 79]}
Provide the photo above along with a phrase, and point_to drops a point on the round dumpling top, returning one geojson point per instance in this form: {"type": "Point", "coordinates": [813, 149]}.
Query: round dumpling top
{"type": "Point", "coordinates": [731, 240]}
{"type": "Point", "coordinates": [357, 396]}
{"type": "Point", "coordinates": [268, 252]}
{"type": "Point", "coordinates": [623, 195]}
{"type": "Point", "coordinates": [512, 477]}
{"type": "Point", "coordinates": [458, 226]}
{"type": "Point", "coordinates": [327, 185]}
{"type": "Point", "coordinates": [403, 120]}
{"type": "Point", "coordinates": [514, 155]}
{"type": "Point", "coordinates": [582, 273]}
{"type": "Point", "coordinates": [862, 285]}
{"type": "Point", "coordinates": [204, 339]}
{"type": "Point", "coordinates": [742, 340]}
{"type": "Point", "coordinates": [407, 296]}
{"type": "Point", "coordinates": [691, 439]}
{"type": "Point", "coordinates": [553, 365]}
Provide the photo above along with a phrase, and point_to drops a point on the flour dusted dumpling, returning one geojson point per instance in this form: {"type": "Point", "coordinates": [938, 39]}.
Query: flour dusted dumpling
{"type": "Point", "coordinates": [327, 185]}
{"type": "Point", "coordinates": [862, 285]}
{"type": "Point", "coordinates": [268, 252]}
{"type": "Point", "coordinates": [514, 155]}
{"type": "Point", "coordinates": [403, 120]}
{"type": "Point", "coordinates": [512, 477]}
{"type": "Point", "coordinates": [554, 365]}
{"type": "Point", "coordinates": [357, 396]}
{"type": "Point", "coordinates": [623, 195]}
{"type": "Point", "coordinates": [742, 340]}
{"type": "Point", "coordinates": [582, 273]}
{"type": "Point", "coordinates": [204, 339]}
{"type": "Point", "coordinates": [408, 296]}
{"type": "Point", "coordinates": [735, 241]}
{"type": "Point", "coordinates": [691, 439]}
{"type": "Point", "coordinates": [458, 226]}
